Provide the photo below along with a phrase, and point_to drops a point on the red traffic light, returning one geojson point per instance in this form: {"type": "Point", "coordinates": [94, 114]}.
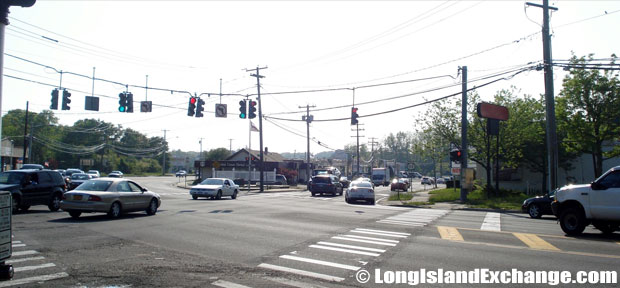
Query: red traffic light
{"type": "Point", "coordinates": [192, 100]}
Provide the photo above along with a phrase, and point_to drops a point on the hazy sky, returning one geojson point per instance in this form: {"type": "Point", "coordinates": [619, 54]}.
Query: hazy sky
{"type": "Point", "coordinates": [306, 45]}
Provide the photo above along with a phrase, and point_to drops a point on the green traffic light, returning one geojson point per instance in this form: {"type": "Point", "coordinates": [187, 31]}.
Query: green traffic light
{"type": "Point", "coordinates": [242, 115]}
{"type": "Point", "coordinates": [121, 109]}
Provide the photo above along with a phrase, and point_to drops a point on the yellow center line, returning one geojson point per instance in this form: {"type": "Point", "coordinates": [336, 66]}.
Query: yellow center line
{"type": "Point", "coordinates": [535, 242]}
{"type": "Point", "coordinates": [449, 233]}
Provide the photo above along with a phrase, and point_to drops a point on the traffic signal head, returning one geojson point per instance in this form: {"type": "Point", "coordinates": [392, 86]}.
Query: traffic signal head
{"type": "Point", "coordinates": [242, 109]}
{"type": "Point", "coordinates": [354, 116]}
{"type": "Point", "coordinates": [54, 105]}
{"type": "Point", "coordinates": [122, 102]}
{"type": "Point", "coordinates": [191, 108]}
{"type": "Point", "coordinates": [200, 107]}
{"type": "Point", "coordinates": [129, 103]}
{"type": "Point", "coordinates": [66, 99]}
{"type": "Point", "coordinates": [455, 155]}
{"type": "Point", "coordinates": [252, 111]}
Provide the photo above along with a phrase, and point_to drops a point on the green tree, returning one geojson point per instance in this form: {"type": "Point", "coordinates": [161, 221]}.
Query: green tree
{"type": "Point", "coordinates": [588, 110]}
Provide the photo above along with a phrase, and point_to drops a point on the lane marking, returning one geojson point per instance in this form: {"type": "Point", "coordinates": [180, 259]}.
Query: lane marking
{"type": "Point", "coordinates": [417, 224]}
{"type": "Point", "coordinates": [383, 231]}
{"type": "Point", "coordinates": [372, 238]}
{"type": "Point", "coordinates": [226, 284]}
{"type": "Point", "coordinates": [17, 241]}
{"type": "Point", "coordinates": [364, 241]}
{"type": "Point", "coordinates": [301, 272]}
{"type": "Point", "coordinates": [449, 233]}
{"type": "Point", "coordinates": [535, 242]}
{"type": "Point", "coordinates": [321, 262]}
{"type": "Point", "coordinates": [292, 283]}
{"type": "Point", "coordinates": [10, 261]}
{"type": "Point", "coordinates": [23, 253]}
{"type": "Point", "coordinates": [491, 222]}
{"type": "Point", "coordinates": [18, 245]}
{"type": "Point", "coordinates": [344, 250]}
{"type": "Point", "coordinates": [33, 279]}
{"type": "Point", "coordinates": [380, 234]}
{"type": "Point", "coordinates": [34, 267]}
{"type": "Point", "coordinates": [351, 246]}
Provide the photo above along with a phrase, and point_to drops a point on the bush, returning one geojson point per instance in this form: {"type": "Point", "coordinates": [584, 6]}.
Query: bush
{"type": "Point", "coordinates": [507, 199]}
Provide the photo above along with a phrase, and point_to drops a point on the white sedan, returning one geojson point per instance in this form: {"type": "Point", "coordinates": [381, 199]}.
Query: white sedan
{"type": "Point", "coordinates": [215, 188]}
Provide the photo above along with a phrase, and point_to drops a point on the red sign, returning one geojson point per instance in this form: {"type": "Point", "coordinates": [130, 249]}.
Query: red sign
{"type": "Point", "coordinates": [492, 111]}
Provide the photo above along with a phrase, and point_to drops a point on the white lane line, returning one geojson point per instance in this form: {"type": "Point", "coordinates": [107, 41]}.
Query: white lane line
{"type": "Point", "coordinates": [301, 272]}
{"type": "Point", "coordinates": [320, 262]}
{"type": "Point", "coordinates": [351, 246]}
{"type": "Point", "coordinates": [17, 241]}
{"type": "Point", "coordinates": [28, 268]}
{"type": "Point", "coordinates": [344, 250]}
{"type": "Point", "coordinates": [372, 238]}
{"type": "Point", "coordinates": [226, 284]}
{"type": "Point", "coordinates": [18, 245]}
{"type": "Point", "coordinates": [383, 231]}
{"type": "Point", "coordinates": [491, 222]}
{"type": "Point", "coordinates": [402, 223]}
{"type": "Point", "coordinates": [364, 241]}
{"type": "Point", "coordinates": [292, 283]}
{"type": "Point", "coordinates": [23, 253]}
{"type": "Point", "coordinates": [10, 261]}
{"type": "Point", "coordinates": [33, 279]}
{"type": "Point", "coordinates": [379, 234]}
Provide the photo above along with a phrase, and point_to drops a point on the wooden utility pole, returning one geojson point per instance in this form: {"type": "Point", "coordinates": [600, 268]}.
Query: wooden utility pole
{"type": "Point", "coordinates": [260, 122]}
{"type": "Point", "coordinates": [463, 133]}
{"type": "Point", "coordinates": [308, 118]}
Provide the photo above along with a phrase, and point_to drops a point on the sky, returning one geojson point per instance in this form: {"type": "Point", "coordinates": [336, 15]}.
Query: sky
{"type": "Point", "coordinates": [378, 56]}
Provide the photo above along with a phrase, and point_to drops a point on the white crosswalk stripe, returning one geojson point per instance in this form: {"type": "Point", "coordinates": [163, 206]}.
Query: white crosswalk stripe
{"type": "Point", "coordinates": [30, 267]}
{"type": "Point", "coordinates": [416, 217]}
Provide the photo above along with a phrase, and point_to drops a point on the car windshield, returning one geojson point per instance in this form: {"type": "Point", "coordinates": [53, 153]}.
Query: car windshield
{"type": "Point", "coordinates": [377, 177]}
{"type": "Point", "coordinates": [94, 185]}
{"type": "Point", "coordinates": [79, 177]}
{"type": "Point", "coordinates": [212, 182]}
{"type": "Point", "coordinates": [11, 178]}
{"type": "Point", "coordinates": [361, 184]}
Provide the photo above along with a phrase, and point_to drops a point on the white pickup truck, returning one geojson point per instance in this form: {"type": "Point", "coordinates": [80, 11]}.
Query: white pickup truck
{"type": "Point", "coordinates": [598, 203]}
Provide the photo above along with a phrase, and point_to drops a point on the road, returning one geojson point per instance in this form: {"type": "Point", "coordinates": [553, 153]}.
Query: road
{"type": "Point", "coordinates": [287, 239]}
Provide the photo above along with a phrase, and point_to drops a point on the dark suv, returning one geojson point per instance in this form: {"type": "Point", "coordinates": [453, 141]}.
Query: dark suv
{"type": "Point", "coordinates": [33, 187]}
{"type": "Point", "coordinates": [326, 183]}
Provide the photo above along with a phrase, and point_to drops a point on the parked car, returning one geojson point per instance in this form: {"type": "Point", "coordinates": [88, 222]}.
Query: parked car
{"type": "Point", "coordinates": [33, 166]}
{"type": "Point", "coordinates": [61, 171]}
{"type": "Point", "coordinates": [538, 206]}
{"type": "Point", "coordinates": [399, 184]}
{"type": "Point", "coordinates": [110, 195]}
{"type": "Point", "coordinates": [70, 171]}
{"type": "Point", "coordinates": [324, 184]}
{"type": "Point", "coordinates": [181, 173]}
{"type": "Point", "coordinates": [77, 179]}
{"type": "Point", "coordinates": [441, 180]}
{"type": "Point", "coordinates": [280, 180]}
{"type": "Point", "coordinates": [33, 187]}
{"type": "Point", "coordinates": [94, 173]}
{"type": "Point", "coordinates": [427, 181]}
{"type": "Point", "coordinates": [215, 188]}
{"type": "Point", "coordinates": [344, 180]}
{"type": "Point", "coordinates": [360, 190]}
{"type": "Point", "coordinates": [115, 174]}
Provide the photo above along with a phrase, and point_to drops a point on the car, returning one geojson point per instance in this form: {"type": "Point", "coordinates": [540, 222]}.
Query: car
{"type": "Point", "coordinates": [597, 203]}
{"type": "Point", "coordinates": [427, 181]}
{"type": "Point", "coordinates": [77, 179]}
{"type": "Point", "coordinates": [33, 166]}
{"type": "Point", "coordinates": [33, 187]}
{"type": "Point", "coordinates": [344, 180]}
{"type": "Point", "coordinates": [325, 184]}
{"type": "Point", "coordinates": [538, 206]}
{"type": "Point", "coordinates": [70, 171]}
{"type": "Point", "coordinates": [61, 171]}
{"type": "Point", "coordinates": [113, 196]}
{"type": "Point", "coordinates": [329, 170]}
{"type": "Point", "coordinates": [441, 180]}
{"type": "Point", "coordinates": [360, 190]}
{"type": "Point", "coordinates": [181, 173]}
{"type": "Point", "coordinates": [94, 173]}
{"type": "Point", "coordinates": [215, 188]}
{"type": "Point", "coordinates": [115, 174]}
{"type": "Point", "coordinates": [280, 180]}
{"type": "Point", "coordinates": [399, 184]}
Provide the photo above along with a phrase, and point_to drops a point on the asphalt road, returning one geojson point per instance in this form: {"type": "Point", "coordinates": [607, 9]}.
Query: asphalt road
{"type": "Point", "coordinates": [287, 239]}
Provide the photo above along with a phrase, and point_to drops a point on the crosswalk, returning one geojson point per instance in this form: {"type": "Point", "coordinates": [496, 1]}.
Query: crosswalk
{"type": "Point", "coordinates": [416, 217]}
{"type": "Point", "coordinates": [30, 266]}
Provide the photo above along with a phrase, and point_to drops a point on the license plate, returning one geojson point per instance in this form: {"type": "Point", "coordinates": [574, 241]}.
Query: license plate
{"type": "Point", "coordinates": [77, 197]}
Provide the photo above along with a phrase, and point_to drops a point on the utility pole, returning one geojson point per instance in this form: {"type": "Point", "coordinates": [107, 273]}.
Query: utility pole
{"type": "Point", "coordinates": [372, 150]}
{"type": "Point", "coordinates": [25, 135]}
{"type": "Point", "coordinates": [463, 133]}
{"type": "Point", "coordinates": [260, 121]}
{"type": "Point", "coordinates": [200, 155]}
{"type": "Point", "coordinates": [163, 162]}
{"type": "Point", "coordinates": [308, 118]}
{"type": "Point", "coordinates": [230, 148]}
{"type": "Point", "coordinates": [552, 150]}
{"type": "Point", "coordinates": [357, 135]}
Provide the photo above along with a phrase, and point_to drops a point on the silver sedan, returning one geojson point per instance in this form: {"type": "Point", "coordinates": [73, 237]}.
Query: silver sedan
{"type": "Point", "coordinates": [114, 196]}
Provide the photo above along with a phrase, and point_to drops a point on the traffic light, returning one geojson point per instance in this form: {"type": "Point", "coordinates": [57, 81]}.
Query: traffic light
{"type": "Point", "coordinates": [66, 99]}
{"type": "Point", "coordinates": [455, 155]}
{"type": "Point", "coordinates": [252, 112]}
{"type": "Point", "coordinates": [54, 105]}
{"type": "Point", "coordinates": [354, 116]}
{"type": "Point", "coordinates": [242, 109]}
{"type": "Point", "coordinates": [122, 102]}
{"type": "Point", "coordinates": [200, 107]}
{"type": "Point", "coordinates": [129, 103]}
{"type": "Point", "coordinates": [191, 108]}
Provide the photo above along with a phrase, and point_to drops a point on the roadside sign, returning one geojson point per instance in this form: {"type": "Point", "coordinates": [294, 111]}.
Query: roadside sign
{"type": "Point", "coordinates": [220, 110]}
{"type": "Point", "coordinates": [5, 225]}
{"type": "Point", "coordinates": [456, 170]}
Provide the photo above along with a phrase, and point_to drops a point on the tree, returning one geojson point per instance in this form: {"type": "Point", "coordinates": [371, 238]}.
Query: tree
{"type": "Point", "coordinates": [588, 110]}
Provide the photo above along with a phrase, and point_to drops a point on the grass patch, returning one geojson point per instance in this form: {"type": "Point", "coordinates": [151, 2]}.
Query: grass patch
{"type": "Point", "coordinates": [404, 196]}
{"type": "Point", "coordinates": [507, 200]}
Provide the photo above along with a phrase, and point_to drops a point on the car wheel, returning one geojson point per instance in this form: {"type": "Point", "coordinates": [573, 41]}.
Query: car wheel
{"type": "Point", "coordinates": [572, 221]}
{"type": "Point", "coordinates": [75, 214]}
{"type": "Point", "coordinates": [219, 195]}
{"type": "Point", "coordinates": [6, 272]}
{"type": "Point", "coordinates": [606, 228]}
{"type": "Point", "coordinates": [16, 203]}
{"type": "Point", "coordinates": [152, 207]}
{"type": "Point", "coordinates": [234, 196]}
{"type": "Point", "coordinates": [313, 194]}
{"type": "Point", "coordinates": [194, 197]}
{"type": "Point", "coordinates": [372, 202]}
{"type": "Point", "coordinates": [115, 210]}
{"type": "Point", "coordinates": [24, 207]}
{"type": "Point", "coordinates": [534, 211]}
{"type": "Point", "coordinates": [55, 202]}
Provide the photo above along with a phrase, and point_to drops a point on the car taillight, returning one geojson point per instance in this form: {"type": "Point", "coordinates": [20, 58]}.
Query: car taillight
{"type": "Point", "coordinates": [94, 198]}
